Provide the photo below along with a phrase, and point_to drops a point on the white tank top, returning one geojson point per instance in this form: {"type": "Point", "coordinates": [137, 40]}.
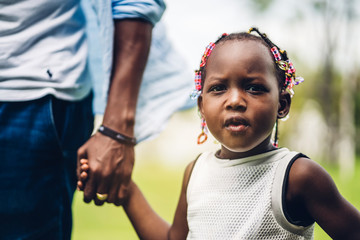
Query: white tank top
{"type": "Point", "coordinates": [241, 198]}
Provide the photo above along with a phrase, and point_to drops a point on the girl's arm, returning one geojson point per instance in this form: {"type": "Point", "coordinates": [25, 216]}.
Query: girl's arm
{"type": "Point", "coordinates": [149, 225]}
{"type": "Point", "coordinates": [312, 194]}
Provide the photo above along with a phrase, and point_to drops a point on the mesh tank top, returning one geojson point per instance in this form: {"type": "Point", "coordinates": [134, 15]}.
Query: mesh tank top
{"type": "Point", "coordinates": [241, 198]}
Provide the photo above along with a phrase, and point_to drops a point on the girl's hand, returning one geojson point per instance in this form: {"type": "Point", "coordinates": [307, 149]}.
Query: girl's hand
{"type": "Point", "coordinates": [83, 177]}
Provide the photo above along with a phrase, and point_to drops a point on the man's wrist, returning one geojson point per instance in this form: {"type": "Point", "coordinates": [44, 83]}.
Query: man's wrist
{"type": "Point", "coordinates": [121, 138]}
{"type": "Point", "coordinates": [120, 121]}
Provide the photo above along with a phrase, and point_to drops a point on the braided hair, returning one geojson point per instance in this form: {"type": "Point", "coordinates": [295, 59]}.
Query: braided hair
{"type": "Point", "coordinates": [263, 39]}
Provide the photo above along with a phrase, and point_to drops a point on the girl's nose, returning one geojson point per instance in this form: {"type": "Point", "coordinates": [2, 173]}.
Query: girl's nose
{"type": "Point", "coordinates": [236, 100]}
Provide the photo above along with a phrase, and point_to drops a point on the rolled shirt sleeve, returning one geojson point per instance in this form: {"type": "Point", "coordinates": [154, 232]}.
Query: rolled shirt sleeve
{"type": "Point", "coordinates": [148, 10]}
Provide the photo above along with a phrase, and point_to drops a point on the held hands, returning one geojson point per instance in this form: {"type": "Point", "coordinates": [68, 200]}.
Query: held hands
{"type": "Point", "coordinates": [83, 177]}
{"type": "Point", "coordinates": [104, 169]}
{"type": "Point", "coordinates": [84, 168]}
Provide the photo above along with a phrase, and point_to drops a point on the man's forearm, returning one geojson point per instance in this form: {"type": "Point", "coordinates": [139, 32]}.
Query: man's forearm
{"type": "Point", "coordinates": [132, 39]}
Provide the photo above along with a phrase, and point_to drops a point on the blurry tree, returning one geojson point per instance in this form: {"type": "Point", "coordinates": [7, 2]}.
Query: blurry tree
{"type": "Point", "coordinates": [338, 93]}
{"type": "Point", "coordinates": [349, 73]}
{"type": "Point", "coordinates": [327, 85]}
{"type": "Point", "coordinates": [261, 5]}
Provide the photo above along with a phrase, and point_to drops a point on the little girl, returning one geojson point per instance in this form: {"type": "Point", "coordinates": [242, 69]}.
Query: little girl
{"type": "Point", "coordinates": [249, 188]}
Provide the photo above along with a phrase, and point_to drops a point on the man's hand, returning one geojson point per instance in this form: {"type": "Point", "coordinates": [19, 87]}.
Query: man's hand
{"type": "Point", "coordinates": [109, 164]}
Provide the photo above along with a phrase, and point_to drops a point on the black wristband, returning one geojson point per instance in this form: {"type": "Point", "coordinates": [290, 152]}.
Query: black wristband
{"type": "Point", "coordinates": [117, 136]}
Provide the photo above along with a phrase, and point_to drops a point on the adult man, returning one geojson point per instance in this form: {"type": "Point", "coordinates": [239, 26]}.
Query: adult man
{"type": "Point", "coordinates": [45, 107]}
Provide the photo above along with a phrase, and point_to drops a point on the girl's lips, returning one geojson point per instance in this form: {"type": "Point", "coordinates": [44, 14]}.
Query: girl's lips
{"type": "Point", "coordinates": [237, 128]}
{"type": "Point", "coordinates": [236, 124]}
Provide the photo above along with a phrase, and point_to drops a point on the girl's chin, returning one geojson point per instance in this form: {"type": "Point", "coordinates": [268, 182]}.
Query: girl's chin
{"type": "Point", "coordinates": [231, 152]}
{"type": "Point", "coordinates": [234, 152]}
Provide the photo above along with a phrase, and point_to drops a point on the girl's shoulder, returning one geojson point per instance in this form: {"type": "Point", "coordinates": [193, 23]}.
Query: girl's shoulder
{"type": "Point", "coordinates": [188, 171]}
{"type": "Point", "coordinates": [306, 175]}
{"type": "Point", "coordinates": [309, 186]}
{"type": "Point", "coordinates": [313, 195]}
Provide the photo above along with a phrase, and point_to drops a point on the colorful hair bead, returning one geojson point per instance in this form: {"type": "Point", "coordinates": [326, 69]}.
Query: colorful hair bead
{"type": "Point", "coordinates": [207, 53]}
{"type": "Point", "coordinates": [291, 67]}
{"type": "Point", "coordinates": [195, 94]}
{"type": "Point", "coordinates": [283, 65]}
{"type": "Point", "coordinates": [298, 80]}
{"type": "Point", "coordinates": [276, 53]}
{"type": "Point", "coordinates": [197, 91]}
{"type": "Point", "coordinates": [198, 80]}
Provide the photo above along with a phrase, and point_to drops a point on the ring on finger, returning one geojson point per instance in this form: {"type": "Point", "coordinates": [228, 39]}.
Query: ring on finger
{"type": "Point", "coordinates": [101, 196]}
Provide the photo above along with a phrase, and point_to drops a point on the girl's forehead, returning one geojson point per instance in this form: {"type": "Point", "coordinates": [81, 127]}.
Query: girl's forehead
{"type": "Point", "coordinates": [242, 51]}
{"type": "Point", "coordinates": [245, 46]}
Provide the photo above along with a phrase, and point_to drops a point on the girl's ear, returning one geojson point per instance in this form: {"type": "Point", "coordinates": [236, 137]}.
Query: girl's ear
{"type": "Point", "coordinates": [199, 103]}
{"type": "Point", "coordinates": [284, 104]}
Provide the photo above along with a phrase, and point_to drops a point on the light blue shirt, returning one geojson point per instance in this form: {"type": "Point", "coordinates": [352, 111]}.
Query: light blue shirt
{"type": "Point", "coordinates": [167, 79]}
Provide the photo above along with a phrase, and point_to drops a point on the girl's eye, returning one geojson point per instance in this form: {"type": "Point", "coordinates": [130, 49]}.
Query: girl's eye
{"type": "Point", "coordinates": [217, 88]}
{"type": "Point", "coordinates": [256, 89]}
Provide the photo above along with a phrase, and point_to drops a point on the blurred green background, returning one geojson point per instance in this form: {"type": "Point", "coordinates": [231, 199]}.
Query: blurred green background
{"type": "Point", "coordinates": [321, 38]}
